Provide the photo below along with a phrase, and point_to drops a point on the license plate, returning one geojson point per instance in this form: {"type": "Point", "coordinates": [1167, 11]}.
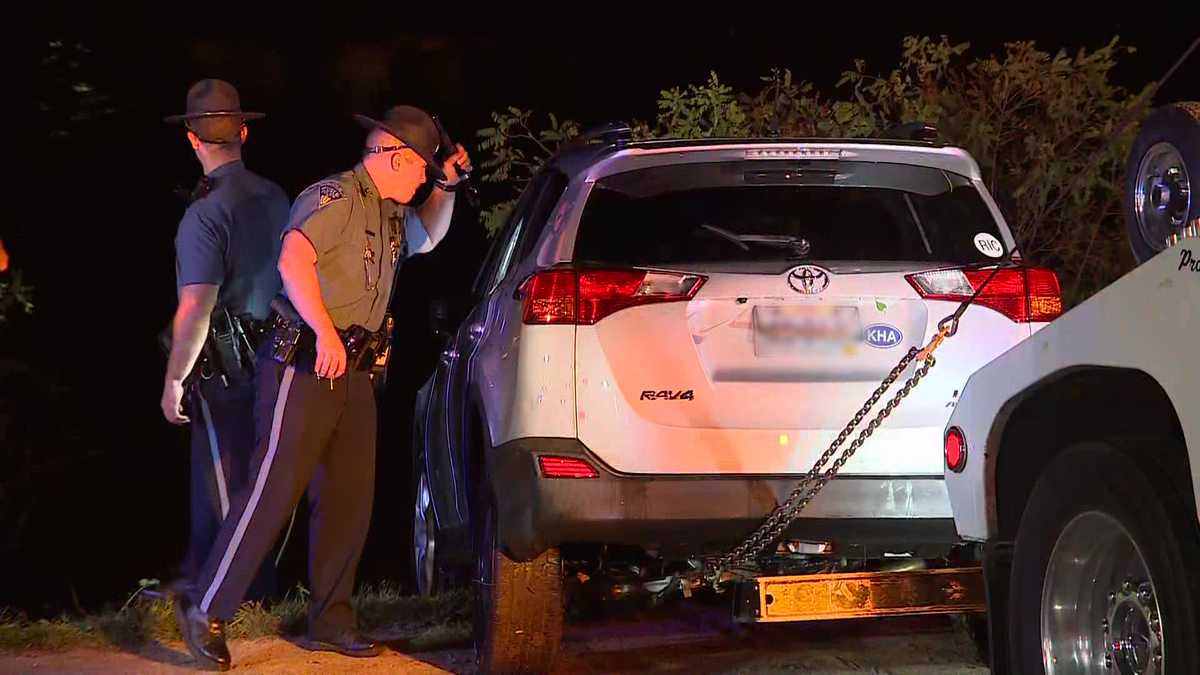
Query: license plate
{"type": "Point", "coordinates": [781, 329]}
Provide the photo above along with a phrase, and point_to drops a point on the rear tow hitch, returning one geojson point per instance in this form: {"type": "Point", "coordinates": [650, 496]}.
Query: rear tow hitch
{"type": "Point", "coordinates": [853, 595]}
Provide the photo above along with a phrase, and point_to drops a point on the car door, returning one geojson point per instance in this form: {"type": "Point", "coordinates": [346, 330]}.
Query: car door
{"type": "Point", "coordinates": [450, 434]}
{"type": "Point", "coordinates": [509, 362]}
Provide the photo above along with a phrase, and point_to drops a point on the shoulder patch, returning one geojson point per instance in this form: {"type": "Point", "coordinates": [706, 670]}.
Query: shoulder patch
{"type": "Point", "coordinates": [327, 193]}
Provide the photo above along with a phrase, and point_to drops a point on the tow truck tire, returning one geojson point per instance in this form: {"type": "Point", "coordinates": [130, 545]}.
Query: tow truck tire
{"type": "Point", "coordinates": [1093, 516]}
{"type": "Point", "coordinates": [1162, 177]}
{"type": "Point", "coordinates": [519, 606]}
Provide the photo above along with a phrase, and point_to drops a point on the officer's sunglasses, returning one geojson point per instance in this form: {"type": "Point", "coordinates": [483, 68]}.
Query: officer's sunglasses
{"type": "Point", "coordinates": [376, 149]}
{"type": "Point", "coordinates": [415, 158]}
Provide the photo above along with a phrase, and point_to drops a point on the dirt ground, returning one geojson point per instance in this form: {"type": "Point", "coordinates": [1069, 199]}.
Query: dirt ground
{"type": "Point", "coordinates": [685, 639]}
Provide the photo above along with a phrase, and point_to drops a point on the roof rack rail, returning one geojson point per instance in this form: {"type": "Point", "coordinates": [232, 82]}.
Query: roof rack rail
{"type": "Point", "coordinates": [913, 131]}
{"type": "Point", "coordinates": [609, 133]}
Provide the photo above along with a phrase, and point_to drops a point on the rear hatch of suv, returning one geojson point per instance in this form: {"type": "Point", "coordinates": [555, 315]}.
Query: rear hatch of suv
{"type": "Point", "coordinates": [733, 315]}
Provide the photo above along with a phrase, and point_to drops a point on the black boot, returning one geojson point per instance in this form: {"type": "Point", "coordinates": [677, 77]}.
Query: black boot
{"type": "Point", "coordinates": [349, 643]}
{"type": "Point", "coordinates": [204, 636]}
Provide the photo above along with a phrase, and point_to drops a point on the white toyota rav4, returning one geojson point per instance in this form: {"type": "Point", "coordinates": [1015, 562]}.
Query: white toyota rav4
{"type": "Point", "coordinates": [667, 334]}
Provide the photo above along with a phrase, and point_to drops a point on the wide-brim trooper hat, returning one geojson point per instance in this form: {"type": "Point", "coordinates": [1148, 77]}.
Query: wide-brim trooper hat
{"type": "Point", "coordinates": [413, 127]}
{"type": "Point", "coordinates": [214, 111]}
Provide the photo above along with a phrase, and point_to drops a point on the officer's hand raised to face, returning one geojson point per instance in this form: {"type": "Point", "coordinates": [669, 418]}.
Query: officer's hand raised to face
{"type": "Point", "coordinates": [460, 159]}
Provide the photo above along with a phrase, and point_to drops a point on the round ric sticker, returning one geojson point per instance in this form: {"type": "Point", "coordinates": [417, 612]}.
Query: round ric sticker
{"type": "Point", "coordinates": [989, 245]}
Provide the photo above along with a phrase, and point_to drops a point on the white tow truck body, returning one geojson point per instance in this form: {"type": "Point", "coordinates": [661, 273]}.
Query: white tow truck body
{"type": "Point", "coordinates": [1147, 321]}
{"type": "Point", "coordinates": [1080, 480]}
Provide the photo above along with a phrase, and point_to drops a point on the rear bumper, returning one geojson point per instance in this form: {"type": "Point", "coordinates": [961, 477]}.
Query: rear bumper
{"type": "Point", "coordinates": [701, 514]}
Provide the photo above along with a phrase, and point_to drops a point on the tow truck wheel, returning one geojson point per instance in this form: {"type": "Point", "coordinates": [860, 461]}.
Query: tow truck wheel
{"type": "Point", "coordinates": [1100, 579]}
{"type": "Point", "coordinates": [1161, 179]}
{"type": "Point", "coordinates": [519, 608]}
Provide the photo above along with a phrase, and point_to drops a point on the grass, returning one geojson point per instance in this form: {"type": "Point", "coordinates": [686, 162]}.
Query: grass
{"type": "Point", "coordinates": [422, 623]}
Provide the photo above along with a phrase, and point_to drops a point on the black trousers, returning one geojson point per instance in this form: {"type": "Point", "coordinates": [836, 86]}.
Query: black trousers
{"type": "Point", "coordinates": [221, 447]}
{"type": "Point", "coordinates": [307, 436]}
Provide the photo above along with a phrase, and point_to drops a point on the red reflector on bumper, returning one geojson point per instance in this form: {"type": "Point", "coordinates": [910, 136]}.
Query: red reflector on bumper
{"type": "Point", "coordinates": [566, 467]}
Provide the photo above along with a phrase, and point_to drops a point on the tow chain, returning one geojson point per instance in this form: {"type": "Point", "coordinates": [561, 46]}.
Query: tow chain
{"type": "Point", "coordinates": [818, 476]}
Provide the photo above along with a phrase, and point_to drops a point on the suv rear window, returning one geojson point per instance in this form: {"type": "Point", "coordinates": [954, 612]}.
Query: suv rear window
{"type": "Point", "coordinates": [763, 211]}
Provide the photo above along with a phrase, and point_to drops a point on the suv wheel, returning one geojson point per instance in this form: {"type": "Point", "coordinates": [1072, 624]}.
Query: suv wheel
{"type": "Point", "coordinates": [426, 568]}
{"type": "Point", "coordinates": [518, 605]}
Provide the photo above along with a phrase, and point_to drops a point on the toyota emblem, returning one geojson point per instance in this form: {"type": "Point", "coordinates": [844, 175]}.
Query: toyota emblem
{"type": "Point", "coordinates": [808, 279]}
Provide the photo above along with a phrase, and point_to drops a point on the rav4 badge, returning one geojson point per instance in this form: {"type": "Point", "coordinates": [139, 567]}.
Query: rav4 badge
{"type": "Point", "coordinates": [668, 395]}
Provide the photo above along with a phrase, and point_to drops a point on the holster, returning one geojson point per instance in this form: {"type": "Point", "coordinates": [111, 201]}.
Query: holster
{"type": "Point", "coordinates": [231, 344]}
{"type": "Point", "coordinates": [286, 337]}
{"type": "Point", "coordinates": [228, 350]}
{"type": "Point", "coordinates": [382, 355]}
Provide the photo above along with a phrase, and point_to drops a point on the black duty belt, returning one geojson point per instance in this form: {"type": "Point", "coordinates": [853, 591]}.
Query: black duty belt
{"type": "Point", "coordinates": [366, 350]}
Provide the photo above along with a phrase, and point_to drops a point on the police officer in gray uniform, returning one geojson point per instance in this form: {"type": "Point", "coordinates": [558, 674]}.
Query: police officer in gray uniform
{"type": "Point", "coordinates": [315, 405]}
{"type": "Point", "coordinates": [226, 248]}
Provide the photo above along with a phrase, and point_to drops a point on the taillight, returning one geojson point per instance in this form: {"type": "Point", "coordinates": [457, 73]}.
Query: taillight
{"type": "Point", "coordinates": [1023, 294]}
{"type": "Point", "coordinates": [585, 296]}
{"type": "Point", "coordinates": [566, 467]}
{"type": "Point", "coordinates": [956, 450]}
{"type": "Point", "coordinates": [551, 297]}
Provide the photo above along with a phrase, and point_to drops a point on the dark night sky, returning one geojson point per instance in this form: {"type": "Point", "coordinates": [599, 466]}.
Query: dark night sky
{"type": "Point", "coordinates": [94, 216]}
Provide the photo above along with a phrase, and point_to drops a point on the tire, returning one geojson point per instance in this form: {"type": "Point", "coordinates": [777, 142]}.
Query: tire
{"type": "Point", "coordinates": [518, 605]}
{"type": "Point", "coordinates": [429, 574]}
{"type": "Point", "coordinates": [1094, 516]}
{"type": "Point", "coordinates": [1167, 145]}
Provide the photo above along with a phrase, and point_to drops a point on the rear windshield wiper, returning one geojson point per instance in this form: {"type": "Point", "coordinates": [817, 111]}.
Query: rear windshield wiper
{"type": "Point", "coordinates": [797, 245]}
{"type": "Point", "coordinates": [726, 234]}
